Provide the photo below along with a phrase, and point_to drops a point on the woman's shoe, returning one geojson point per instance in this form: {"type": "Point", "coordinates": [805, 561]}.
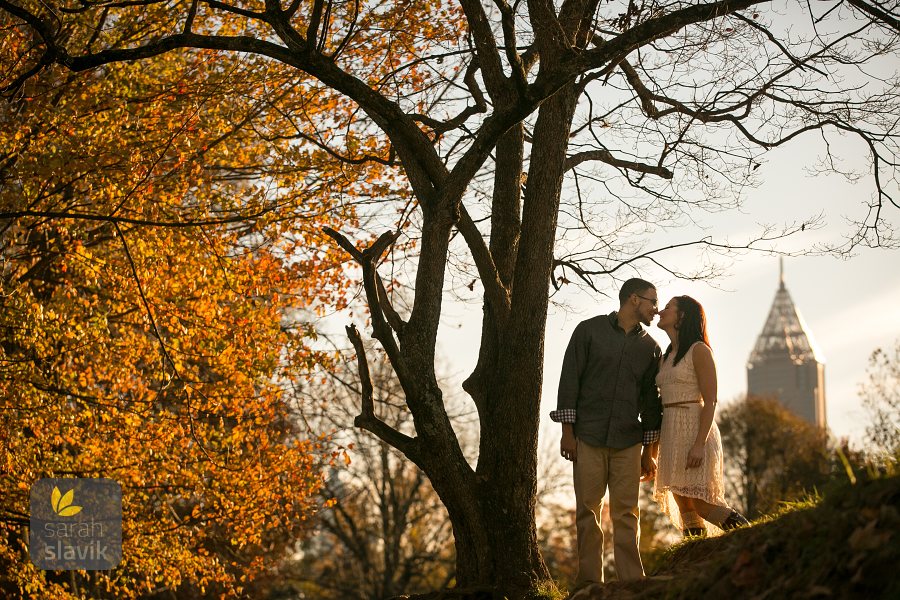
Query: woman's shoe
{"type": "Point", "coordinates": [734, 520]}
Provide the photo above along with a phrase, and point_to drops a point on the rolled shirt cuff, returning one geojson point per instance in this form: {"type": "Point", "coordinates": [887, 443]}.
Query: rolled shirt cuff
{"type": "Point", "coordinates": [650, 437]}
{"type": "Point", "coordinates": [564, 415]}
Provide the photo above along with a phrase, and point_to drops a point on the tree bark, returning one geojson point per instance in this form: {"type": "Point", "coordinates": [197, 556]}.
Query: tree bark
{"type": "Point", "coordinates": [506, 384]}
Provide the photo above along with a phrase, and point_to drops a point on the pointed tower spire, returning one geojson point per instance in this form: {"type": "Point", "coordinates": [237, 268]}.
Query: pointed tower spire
{"type": "Point", "coordinates": [784, 362]}
{"type": "Point", "coordinates": [785, 331]}
{"type": "Point", "coordinates": [780, 272]}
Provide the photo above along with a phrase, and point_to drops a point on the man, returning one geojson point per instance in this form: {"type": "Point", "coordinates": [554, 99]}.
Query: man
{"type": "Point", "coordinates": [610, 411]}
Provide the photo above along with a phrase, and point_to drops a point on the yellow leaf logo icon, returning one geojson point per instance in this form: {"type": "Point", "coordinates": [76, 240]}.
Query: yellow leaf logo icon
{"type": "Point", "coordinates": [62, 503]}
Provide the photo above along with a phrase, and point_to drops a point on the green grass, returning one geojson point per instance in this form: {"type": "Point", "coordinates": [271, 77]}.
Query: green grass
{"type": "Point", "coordinates": [842, 542]}
{"type": "Point", "coordinates": [545, 591]}
{"type": "Point", "coordinates": [839, 542]}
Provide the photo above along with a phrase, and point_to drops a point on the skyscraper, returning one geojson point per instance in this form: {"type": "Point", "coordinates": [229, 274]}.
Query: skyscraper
{"type": "Point", "coordinates": [784, 364]}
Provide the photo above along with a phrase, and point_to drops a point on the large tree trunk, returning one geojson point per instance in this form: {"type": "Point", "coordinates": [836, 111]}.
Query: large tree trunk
{"type": "Point", "coordinates": [506, 384]}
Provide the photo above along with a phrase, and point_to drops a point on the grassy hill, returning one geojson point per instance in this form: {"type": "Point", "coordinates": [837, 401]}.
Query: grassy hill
{"type": "Point", "coordinates": [844, 545]}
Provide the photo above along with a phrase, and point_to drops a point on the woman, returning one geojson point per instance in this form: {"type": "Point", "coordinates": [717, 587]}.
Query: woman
{"type": "Point", "coordinates": [690, 451]}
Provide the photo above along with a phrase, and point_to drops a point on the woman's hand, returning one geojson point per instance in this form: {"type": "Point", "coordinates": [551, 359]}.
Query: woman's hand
{"type": "Point", "coordinates": [695, 456]}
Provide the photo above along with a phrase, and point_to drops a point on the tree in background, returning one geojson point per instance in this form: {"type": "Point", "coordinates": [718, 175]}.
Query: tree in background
{"type": "Point", "coordinates": [150, 282]}
{"type": "Point", "coordinates": [556, 535]}
{"type": "Point", "coordinates": [880, 395]}
{"type": "Point", "coordinates": [386, 532]}
{"type": "Point", "coordinates": [480, 112]}
{"type": "Point", "coordinates": [771, 455]}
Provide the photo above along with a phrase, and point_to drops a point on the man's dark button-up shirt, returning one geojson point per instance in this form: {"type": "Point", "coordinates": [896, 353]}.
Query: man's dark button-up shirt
{"type": "Point", "coordinates": [607, 387]}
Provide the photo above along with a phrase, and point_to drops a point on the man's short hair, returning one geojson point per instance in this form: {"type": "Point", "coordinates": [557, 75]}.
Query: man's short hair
{"type": "Point", "coordinates": [634, 285]}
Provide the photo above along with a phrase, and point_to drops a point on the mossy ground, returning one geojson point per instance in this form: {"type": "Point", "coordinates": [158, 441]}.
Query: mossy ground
{"type": "Point", "coordinates": [843, 543]}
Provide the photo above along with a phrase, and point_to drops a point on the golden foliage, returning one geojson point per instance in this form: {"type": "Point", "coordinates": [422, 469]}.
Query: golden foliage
{"type": "Point", "coordinates": [157, 354]}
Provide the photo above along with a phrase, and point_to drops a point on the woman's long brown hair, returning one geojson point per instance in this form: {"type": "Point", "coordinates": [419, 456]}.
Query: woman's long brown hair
{"type": "Point", "coordinates": [691, 326]}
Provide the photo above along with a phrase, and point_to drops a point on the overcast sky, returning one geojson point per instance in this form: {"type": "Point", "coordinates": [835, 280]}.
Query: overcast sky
{"type": "Point", "coordinates": [851, 306]}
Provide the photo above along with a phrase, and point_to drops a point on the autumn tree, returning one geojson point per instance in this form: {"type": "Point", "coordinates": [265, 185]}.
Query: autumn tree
{"type": "Point", "coordinates": [880, 394]}
{"type": "Point", "coordinates": [386, 532]}
{"type": "Point", "coordinates": [155, 304]}
{"type": "Point", "coordinates": [480, 113]}
{"type": "Point", "coordinates": [771, 455]}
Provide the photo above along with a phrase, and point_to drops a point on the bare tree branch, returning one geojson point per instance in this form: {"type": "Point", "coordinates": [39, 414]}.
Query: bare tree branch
{"type": "Point", "coordinates": [393, 318]}
{"type": "Point", "coordinates": [367, 419]}
{"type": "Point", "coordinates": [607, 157]}
{"type": "Point", "coordinates": [875, 9]}
{"type": "Point", "coordinates": [518, 66]}
{"type": "Point", "coordinates": [486, 48]}
{"type": "Point", "coordinates": [480, 105]}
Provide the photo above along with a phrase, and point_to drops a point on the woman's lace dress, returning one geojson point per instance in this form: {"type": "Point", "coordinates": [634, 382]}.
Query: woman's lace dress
{"type": "Point", "coordinates": [681, 419]}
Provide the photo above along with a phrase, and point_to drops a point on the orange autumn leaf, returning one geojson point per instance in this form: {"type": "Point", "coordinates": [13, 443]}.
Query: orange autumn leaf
{"type": "Point", "coordinates": [158, 355]}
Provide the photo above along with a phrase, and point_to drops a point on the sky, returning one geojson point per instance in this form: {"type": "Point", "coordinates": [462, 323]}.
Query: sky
{"type": "Point", "coordinates": [851, 306]}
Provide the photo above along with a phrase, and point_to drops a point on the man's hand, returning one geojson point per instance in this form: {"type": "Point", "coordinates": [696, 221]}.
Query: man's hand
{"type": "Point", "coordinates": [568, 445]}
{"type": "Point", "coordinates": [648, 465]}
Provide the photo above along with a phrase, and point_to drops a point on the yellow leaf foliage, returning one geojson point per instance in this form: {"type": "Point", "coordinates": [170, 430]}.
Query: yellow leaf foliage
{"type": "Point", "coordinates": [162, 356]}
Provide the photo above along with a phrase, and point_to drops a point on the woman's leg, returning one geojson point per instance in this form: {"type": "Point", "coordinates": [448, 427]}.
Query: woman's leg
{"type": "Point", "coordinates": [691, 523]}
{"type": "Point", "coordinates": [685, 503]}
{"type": "Point", "coordinates": [724, 517]}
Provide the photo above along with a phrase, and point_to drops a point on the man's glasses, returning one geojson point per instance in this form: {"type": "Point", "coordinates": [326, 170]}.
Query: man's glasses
{"type": "Point", "coordinates": [653, 301]}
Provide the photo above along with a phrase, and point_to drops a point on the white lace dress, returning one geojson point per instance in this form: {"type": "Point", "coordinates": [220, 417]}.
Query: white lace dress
{"type": "Point", "coordinates": [682, 402]}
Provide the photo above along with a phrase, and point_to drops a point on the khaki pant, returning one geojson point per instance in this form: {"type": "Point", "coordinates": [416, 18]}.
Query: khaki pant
{"type": "Point", "coordinates": [620, 471]}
